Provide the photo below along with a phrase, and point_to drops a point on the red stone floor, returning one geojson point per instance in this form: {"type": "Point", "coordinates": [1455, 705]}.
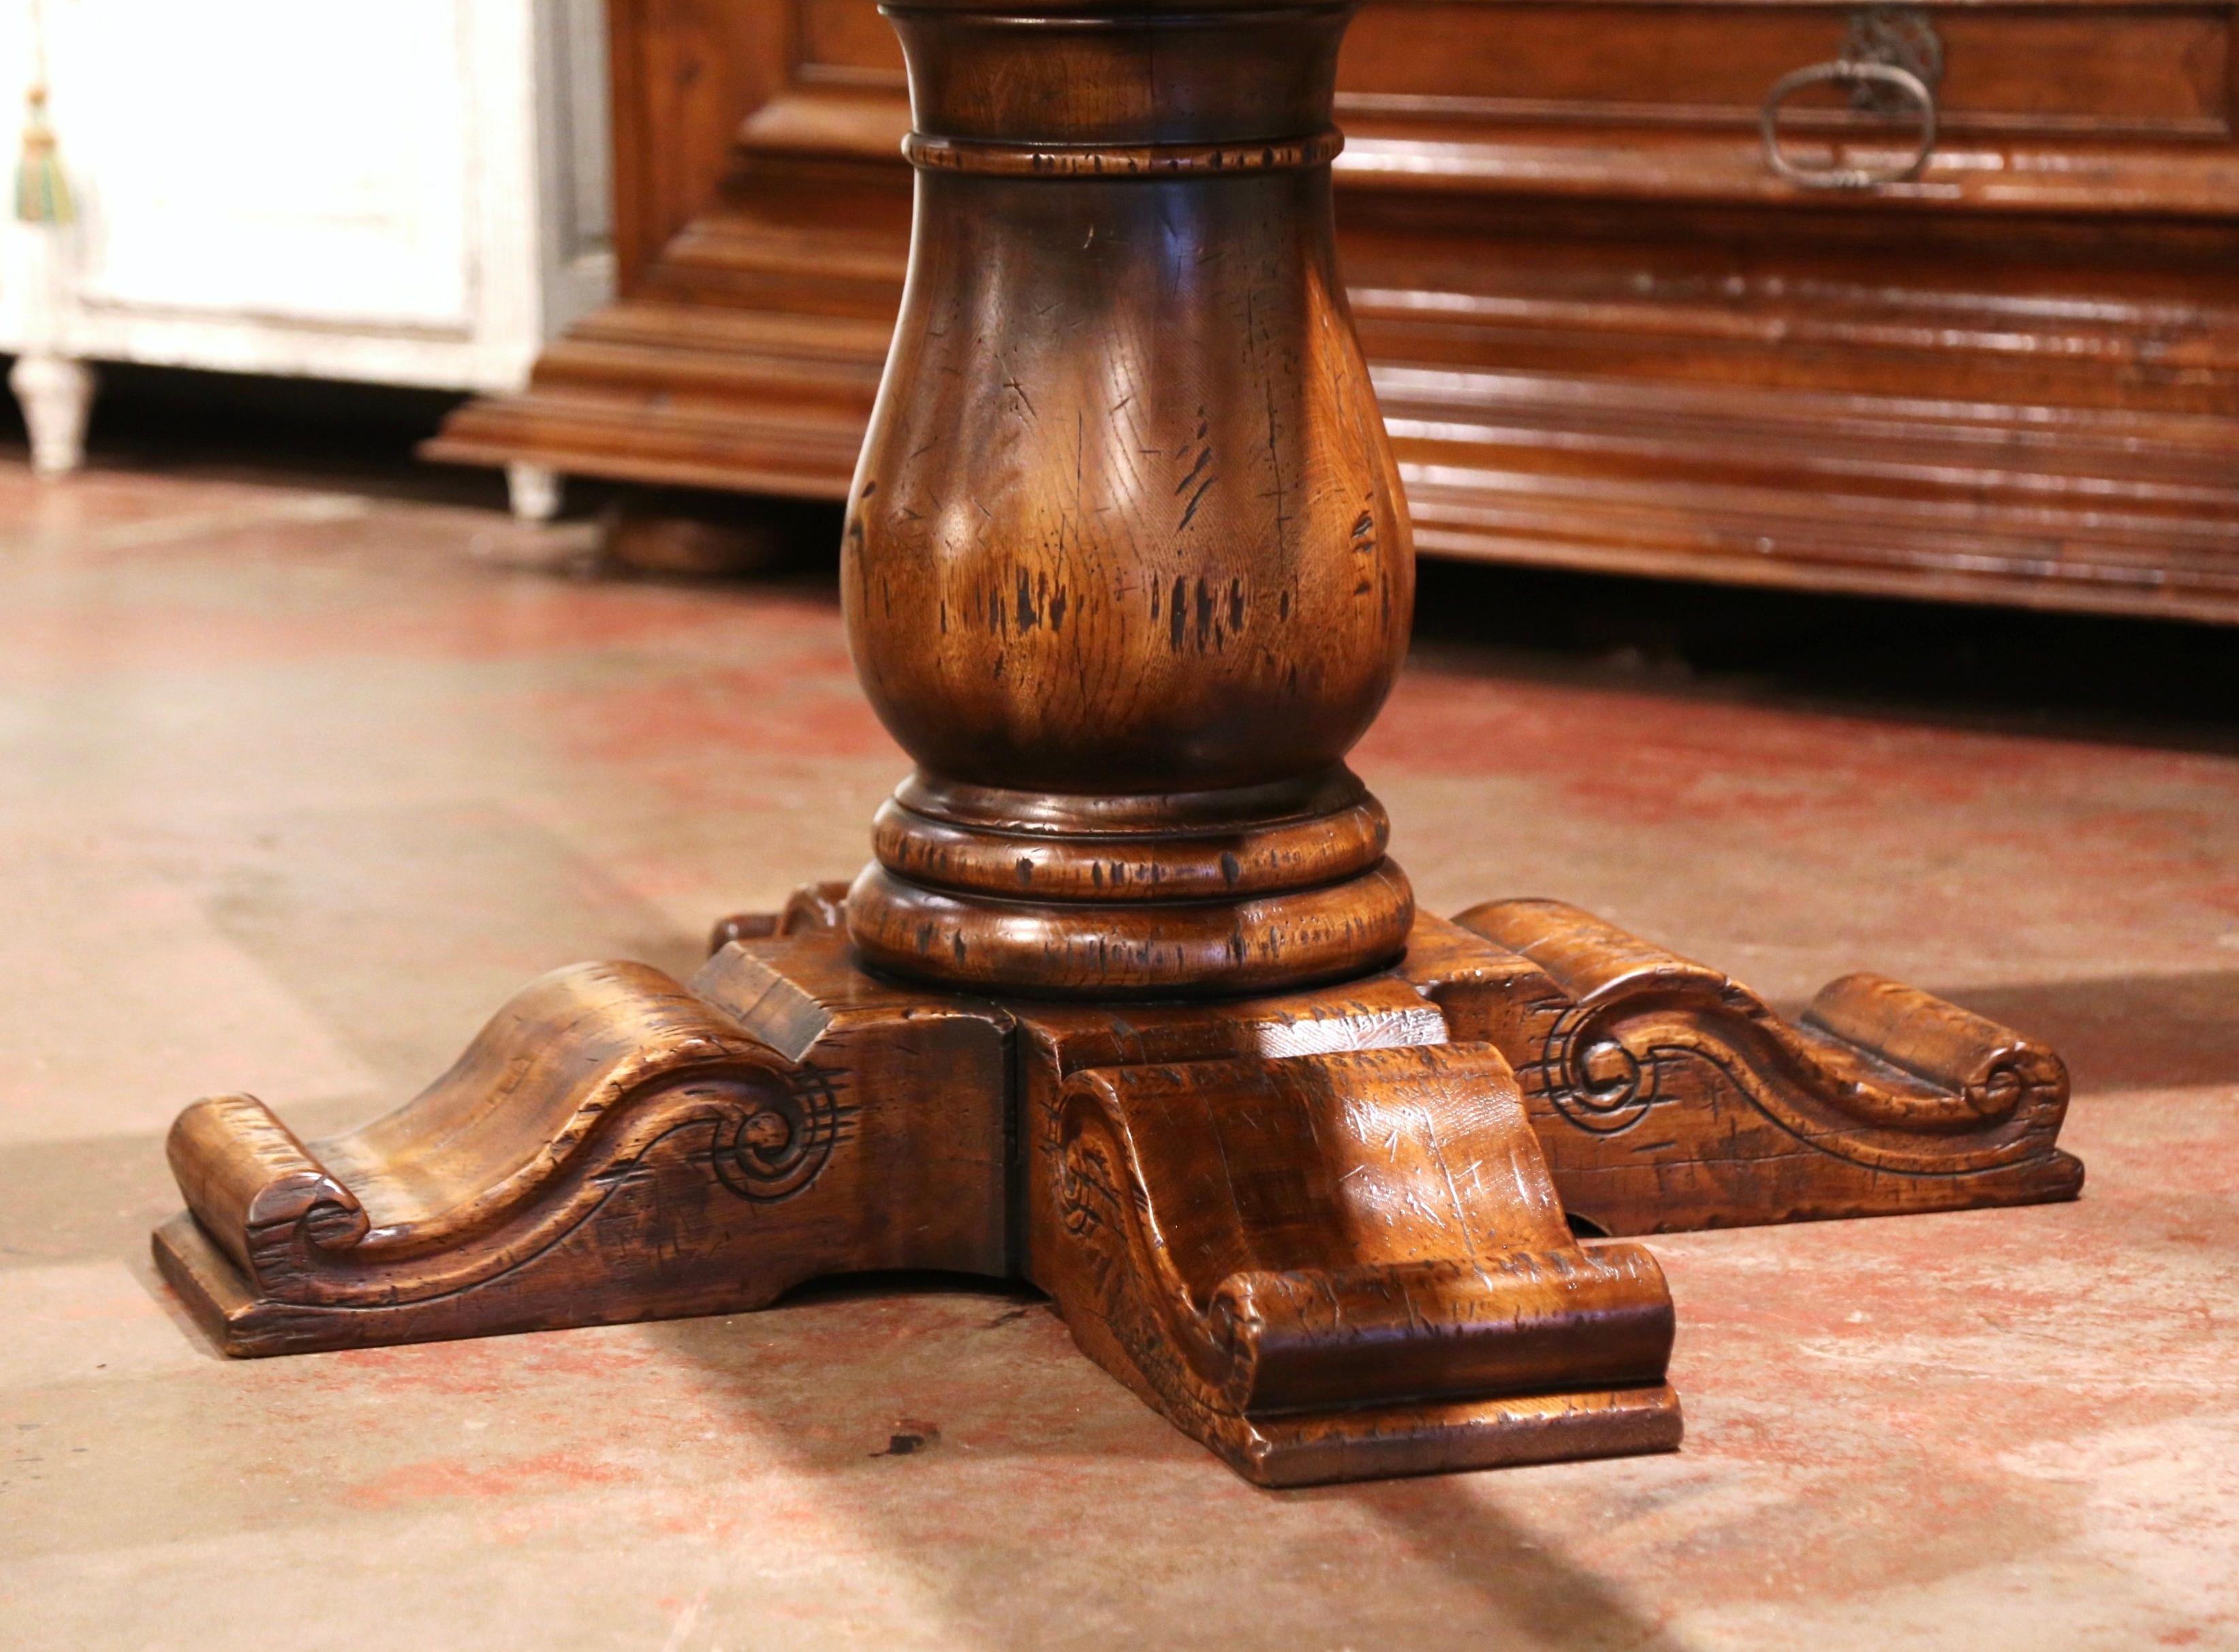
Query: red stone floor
{"type": "Point", "coordinates": [295, 786]}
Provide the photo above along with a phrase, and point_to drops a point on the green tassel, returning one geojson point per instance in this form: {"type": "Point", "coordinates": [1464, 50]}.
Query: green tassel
{"type": "Point", "coordinates": [42, 193]}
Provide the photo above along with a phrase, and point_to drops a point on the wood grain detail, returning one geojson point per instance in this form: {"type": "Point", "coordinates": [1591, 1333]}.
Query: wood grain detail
{"type": "Point", "coordinates": [1326, 1232]}
{"type": "Point", "coordinates": [1669, 1098]}
{"type": "Point", "coordinates": [1131, 1002]}
{"type": "Point", "coordinates": [1606, 336]}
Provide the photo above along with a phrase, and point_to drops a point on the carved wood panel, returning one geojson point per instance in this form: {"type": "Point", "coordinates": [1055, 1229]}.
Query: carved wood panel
{"type": "Point", "coordinates": [1606, 335]}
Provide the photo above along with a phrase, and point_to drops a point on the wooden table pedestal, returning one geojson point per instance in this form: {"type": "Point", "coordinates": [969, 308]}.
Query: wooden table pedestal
{"type": "Point", "coordinates": [1131, 1002]}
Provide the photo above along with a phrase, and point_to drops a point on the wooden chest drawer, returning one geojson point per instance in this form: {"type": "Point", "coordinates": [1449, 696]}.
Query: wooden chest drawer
{"type": "Point", "coordinates": [2111, 66]}
{"type": "Point", "coordinates": [1607, 331]}
{"type": "Point", "coordinates": [2108, 68]}
{"type": "Point", "coordinates": [2095, 106]}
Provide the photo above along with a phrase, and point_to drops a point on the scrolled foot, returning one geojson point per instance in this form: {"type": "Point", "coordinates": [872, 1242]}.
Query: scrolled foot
{"type": "Point", "coordinates": [1668, 1096]}
{"type": "Point", "coordinates": [613, 1147]}
{"type": "Point", "coordinates": [1346, 1265]}
{"type": "Point", "coordinates": [812, 906]}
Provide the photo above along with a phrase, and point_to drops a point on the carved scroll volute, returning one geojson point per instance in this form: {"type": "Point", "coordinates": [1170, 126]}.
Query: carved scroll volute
{"type": "Point", "coordinates": [1669, 1096]}
{"type": "Point", "coordinates": [1347, 1238]}
{"type": "Point", "coordinates": [1126, 520]}
{"type": "Point", "coordinates": [260, 1193]}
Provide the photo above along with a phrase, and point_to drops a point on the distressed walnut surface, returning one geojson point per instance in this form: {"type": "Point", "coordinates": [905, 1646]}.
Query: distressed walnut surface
{"type": "Point", "coordinates": [298, 787]}
{"type": "Point", "coordinates": [1126, 570]}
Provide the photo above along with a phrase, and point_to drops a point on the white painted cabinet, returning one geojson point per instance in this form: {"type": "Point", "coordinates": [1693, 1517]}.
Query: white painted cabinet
{"type": "Point", "coordinates": [401, 191]}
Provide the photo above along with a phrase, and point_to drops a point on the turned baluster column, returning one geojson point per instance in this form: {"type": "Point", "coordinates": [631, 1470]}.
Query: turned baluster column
{"type": "Point", "coordinates": [1128, 570]}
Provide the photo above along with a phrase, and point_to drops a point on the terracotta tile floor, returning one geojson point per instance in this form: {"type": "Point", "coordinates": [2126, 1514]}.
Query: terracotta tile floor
{"type": "Point", "coordinates": [296, 786]}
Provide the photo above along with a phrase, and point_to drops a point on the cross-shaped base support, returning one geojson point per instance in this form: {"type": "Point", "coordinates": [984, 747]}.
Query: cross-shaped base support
{"type": "Point", "coordinates": [1324, 1232]}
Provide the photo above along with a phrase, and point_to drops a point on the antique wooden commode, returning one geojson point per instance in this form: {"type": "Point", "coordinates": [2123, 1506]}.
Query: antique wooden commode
{"type": "Point", "coordinates": [1131, 1002]}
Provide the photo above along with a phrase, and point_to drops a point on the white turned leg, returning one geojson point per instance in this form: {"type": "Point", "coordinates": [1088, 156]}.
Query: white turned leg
{"type": "Point", "coordinates": [56, 393]}
{"type": "Point", "coordinates": [536, 491]}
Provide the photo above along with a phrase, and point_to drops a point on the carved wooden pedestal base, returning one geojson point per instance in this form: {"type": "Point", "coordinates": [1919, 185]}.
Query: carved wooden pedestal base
{"type": "Point", "coordinates": [1322, 1232]}
{"type": "Point", "coordinates": [1127, 572]}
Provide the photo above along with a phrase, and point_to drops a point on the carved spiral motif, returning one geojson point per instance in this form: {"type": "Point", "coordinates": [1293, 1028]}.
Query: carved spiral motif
{"type": "Point", "coordinates": [2002, 1090]}
{"type": "Point", "coordinates": [773, 1150]}
{"type": "Point", "coordinates": [1593, 1080]}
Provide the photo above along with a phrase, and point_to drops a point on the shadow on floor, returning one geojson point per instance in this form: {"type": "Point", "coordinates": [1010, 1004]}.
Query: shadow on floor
{"type": "Point", "coordinates": [2162, 683]}
{"type": "Point", "coordinates": [1551, 1602]}
{"type": "Point", "coordinates": [2170, 683]}
{"type": "Point", "coordinates": [2126, 1032]}
{"type": "Point", "coordinates": [1182, 1537]}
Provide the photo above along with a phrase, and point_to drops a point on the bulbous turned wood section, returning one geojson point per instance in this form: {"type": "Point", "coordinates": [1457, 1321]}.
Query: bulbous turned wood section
{"type": "Point", "coordinates": [1126, 567]}
{"type": "Point", "coordinates": [1130, 1002]}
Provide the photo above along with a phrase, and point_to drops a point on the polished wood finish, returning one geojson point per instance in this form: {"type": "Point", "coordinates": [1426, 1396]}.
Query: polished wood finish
{"type": "Point", "coordinates": [1311, 1229]}
{"type": "Point", "coordinates": [679, 73]}
{"type": "Point", "coordinates": [1323, 1231]}
{"type": "Point", "coordinates": [1605, 335]}
{"type": "Point", "coordinates": [1667, 1097]}
{"type": "Point", "coordinates": [1277, 1254]}
{"type": "Point", "coordinates": [1130, 1002]}
{"type": "Point", "coordinates": [1126, 568]}
{"type": "Point", "coordinates": [728, 1141]}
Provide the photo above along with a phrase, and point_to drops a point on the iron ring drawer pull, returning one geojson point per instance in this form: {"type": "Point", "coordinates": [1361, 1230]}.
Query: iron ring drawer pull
{"type": "Point", "coordinates": [1909, 86]}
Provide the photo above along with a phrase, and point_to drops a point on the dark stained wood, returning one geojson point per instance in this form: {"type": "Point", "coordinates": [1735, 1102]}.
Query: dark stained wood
{"type": "Point", "coordinates": [1130, 1002]}
{"type": "Point", "coordinates": [679, 73]}
{"type": "Point", "coordinates": [1320, 1237]}
{"type": "Point", "coordinates": [1126, 568]}
{"type": "Point", "coordinates": [1604, 334]}
{"type": "Point", "coordinates": [1298, 1261]}
{"type": "Point", "coordinates": [813, 906]}
{"type": "Point", "coordinates": [659, 532]}
{"type": "Point", "coordinates": [1668, 1097]}
{"type": "Point", "coordinates": [1323, 1232]}
{"type": "Point", "coordinates": [719, 1139]}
